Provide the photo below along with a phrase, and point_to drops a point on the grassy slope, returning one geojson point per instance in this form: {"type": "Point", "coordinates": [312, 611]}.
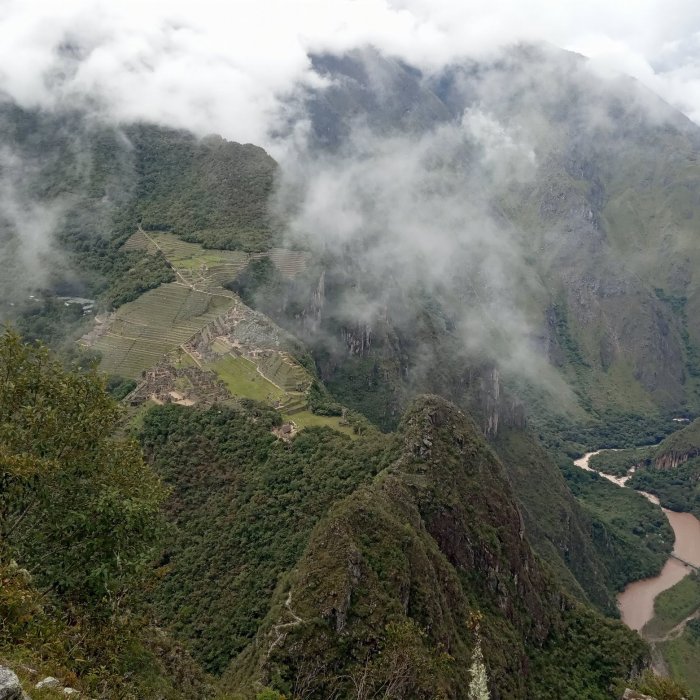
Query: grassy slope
{"type": "Point", "coordinates": [674, 605]}
{"type": "Point", "coordinates": [243, 379]}
{"type": "Point", "coordinates": [306, 419]}
{"type": "Point", "coordinates": [682, 655]}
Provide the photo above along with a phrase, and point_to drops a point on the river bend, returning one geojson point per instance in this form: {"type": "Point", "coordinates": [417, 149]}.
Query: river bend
{"type": "Point", "coordinates": [636, 602]}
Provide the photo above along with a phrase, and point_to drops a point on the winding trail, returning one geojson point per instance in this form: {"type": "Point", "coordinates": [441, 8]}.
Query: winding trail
{"type": "Point", "coordinates": [677, 630]}
{"type": "Point", "coordinates": [280, 629]}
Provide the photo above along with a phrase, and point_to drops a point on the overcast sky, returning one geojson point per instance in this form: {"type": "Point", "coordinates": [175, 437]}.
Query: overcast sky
{"type": "Point", "coordinates": [217, 66]}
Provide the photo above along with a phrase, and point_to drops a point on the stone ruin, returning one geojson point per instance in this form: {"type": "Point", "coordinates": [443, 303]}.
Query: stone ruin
{"type": "Point", "coordinates": [186, 386]}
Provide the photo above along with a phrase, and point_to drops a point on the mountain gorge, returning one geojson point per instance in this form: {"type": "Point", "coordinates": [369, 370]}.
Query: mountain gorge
{"type": "Point", "coordinates": [360, 371]}
{"type": "Point", "coordinates": [533, 176]}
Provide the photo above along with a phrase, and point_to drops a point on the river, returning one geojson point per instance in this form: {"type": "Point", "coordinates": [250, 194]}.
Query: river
{"type": "Point", "coordinates": [636, 602]}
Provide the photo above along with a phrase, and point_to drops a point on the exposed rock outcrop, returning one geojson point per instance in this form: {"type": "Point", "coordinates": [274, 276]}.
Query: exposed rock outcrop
{"type": "Point", "coordinates": [673, 459]}
{"type": "Point", "coordinates": [497, 407]}
{"type": "Point", "coordinates": [48, 682]}
{"type": "Point", "coordinates": [10, 687]}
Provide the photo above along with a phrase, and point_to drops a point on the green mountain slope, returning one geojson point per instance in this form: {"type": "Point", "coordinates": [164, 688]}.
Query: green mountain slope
{"type": "Point", "coordinates": [400, 567]}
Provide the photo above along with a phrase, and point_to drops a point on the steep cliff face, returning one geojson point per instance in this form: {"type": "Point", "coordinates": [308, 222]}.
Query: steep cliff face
{"type": "Point", "coordinates": [559, 530]}
{"type": "Point", "coordinates": [409, 346]}
{"type": "Point", "coordinates": [498, 409]}
{"type": "Point", "coordinates": [672, 459]}
{"type": "Point", "coordinates": [678, 448]}
{"type": "Point", "coordinates": [396, 576]}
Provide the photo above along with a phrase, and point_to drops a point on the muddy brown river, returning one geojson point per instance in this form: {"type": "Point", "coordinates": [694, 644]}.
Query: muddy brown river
{"type": "Point", "coordinates": [636, 602]}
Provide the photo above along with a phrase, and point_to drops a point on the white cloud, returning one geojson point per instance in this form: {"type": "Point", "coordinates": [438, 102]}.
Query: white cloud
{"type": "Point", "coordinates": [214, 66]}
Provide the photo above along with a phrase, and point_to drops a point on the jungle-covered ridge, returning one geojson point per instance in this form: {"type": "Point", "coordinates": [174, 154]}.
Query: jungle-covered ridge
{"type": "Point", "coordinates": [245, 515]}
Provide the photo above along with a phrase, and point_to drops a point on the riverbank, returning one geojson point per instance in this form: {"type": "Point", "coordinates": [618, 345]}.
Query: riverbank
{"type": "Point", "coordinates": [636, 602]}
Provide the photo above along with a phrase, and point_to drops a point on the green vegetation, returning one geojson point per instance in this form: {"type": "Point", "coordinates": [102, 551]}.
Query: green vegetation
{"type": "Point", "coordinates": [193, 263]}
{"type": "Point", "coordinates": [260, 285]}
{"type": "Point", "coordinates": [619, 462]}
{"type": "Point", "coordinates": [145, 330]}
{"type": "Point", "coordinates": [80, 512]}
{"type": "Point", "coordinates": [306, 419]}
{"type": "Point", "coordinates": [209, 191]}
{"type": "Point", "coordinates": [423, 546]}
{"type": "Point", "coordinates": [362, 384]}
{"type": "Point", "coordinates": [678, 488]}
{"type": "Point", "coordinates": [313, 563]}
{"type": "Point", "coordinates": [119, 387]}
{"type": "Point", "coordinates": [632, 534]}
{"type": "Point", "coordinates": [674, 605]}
{"type": "Point", "coordinates": [132, 275]}
{"type": "Point", "coordinates": [584, 658]}
{"type": "Point", "coordinates": [682, 655]}
{"type": "Point", "coordinates": [560, 529]}
{"type": "Point", "coordinates": [50, 320]}
{"type": "Point", "coordinates": [683, 442]}
{"type": "Point", "coordinates": [659, 687]}
{"type": "Point", "coordinates": [321, 402]}
{"type": "Point", "coordinates": [671, 470]}
{"type": "Point", "coordinates": [243, 504]}
{"type": "Point", "coordinates": [604, 430]}
{"type": "Point", "coordinates": [242, 378]}
{"type": "Point", "coordinates": [678, 305]}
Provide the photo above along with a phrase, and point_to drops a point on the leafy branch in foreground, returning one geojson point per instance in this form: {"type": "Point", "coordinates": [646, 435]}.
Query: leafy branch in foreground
{"type": "Point", "coordinates": [78, 508]}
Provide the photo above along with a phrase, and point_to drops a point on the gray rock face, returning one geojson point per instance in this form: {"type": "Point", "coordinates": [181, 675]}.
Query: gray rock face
{"type": "Point", "coordinates": [10, 687]}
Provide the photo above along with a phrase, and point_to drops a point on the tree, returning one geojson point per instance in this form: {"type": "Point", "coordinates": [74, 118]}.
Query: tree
{"type": "Point", "coordinates": [660, 687]}
{"type": "Point", "coordinates": [78, 507]}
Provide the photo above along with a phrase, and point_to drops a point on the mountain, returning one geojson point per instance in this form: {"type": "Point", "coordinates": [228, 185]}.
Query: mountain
{"type": "Point", "coordinates": [301, 567]}
{"type": "Point", "coordinates": [358, 368]}
{"type": "Point", "coordinates": [583, 185]}
{"type": "Point", "coordinates": [74, 189]}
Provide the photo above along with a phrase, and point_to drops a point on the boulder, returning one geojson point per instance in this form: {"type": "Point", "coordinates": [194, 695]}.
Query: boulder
{"type": "Point", "coordinates": [10, 687]}
{"type": "Point", "coordinates": [48, 682]}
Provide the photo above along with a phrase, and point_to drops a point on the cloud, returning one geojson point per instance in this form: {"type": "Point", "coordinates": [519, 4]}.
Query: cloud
{"type": "Point", "coordinates": [224, 67]}
{"type": "Point", "coordinates": [409, 219]}
{"type": "Point", "coordinates": [26, 230]}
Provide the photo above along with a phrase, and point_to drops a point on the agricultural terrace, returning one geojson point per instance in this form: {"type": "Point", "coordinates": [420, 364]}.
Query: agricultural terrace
{"type": "Point", "coordinates": [202, 266]}
{"type": "Point", "coordinates": [145, 330]}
